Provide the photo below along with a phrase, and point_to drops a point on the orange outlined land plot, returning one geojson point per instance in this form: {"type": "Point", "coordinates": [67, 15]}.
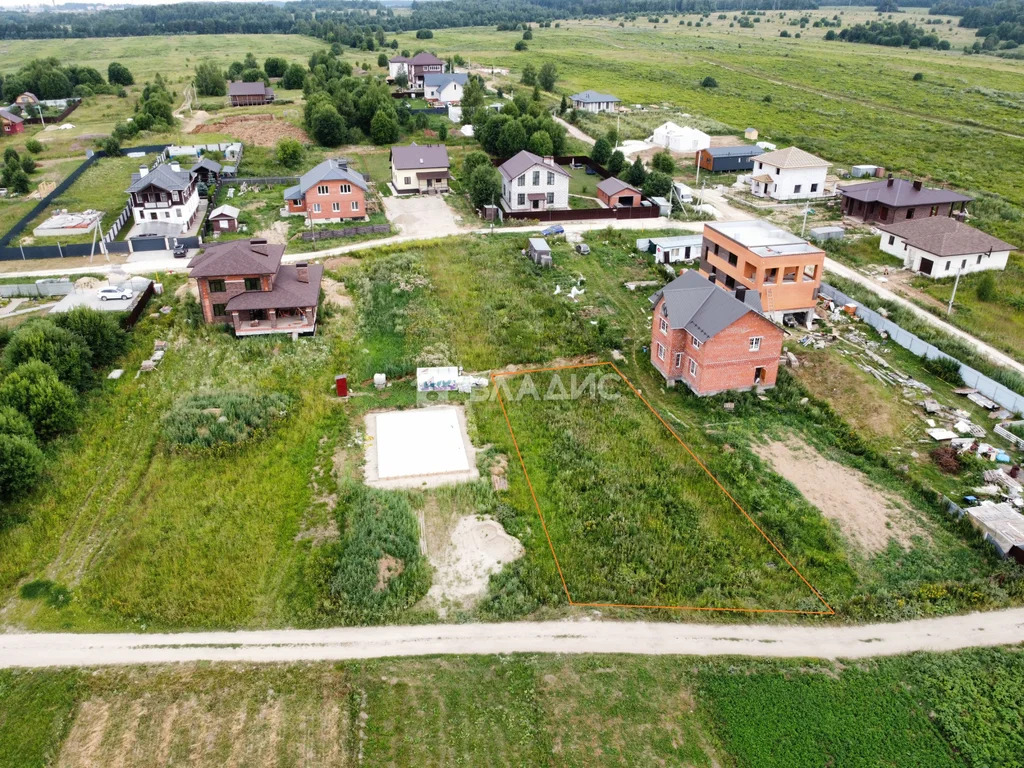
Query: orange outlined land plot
{"type": "Point", "coordinates": [633, 518]}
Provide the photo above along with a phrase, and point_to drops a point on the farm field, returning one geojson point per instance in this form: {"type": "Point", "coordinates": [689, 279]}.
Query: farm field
{"type": "Point", "coordinates": [949, 710]}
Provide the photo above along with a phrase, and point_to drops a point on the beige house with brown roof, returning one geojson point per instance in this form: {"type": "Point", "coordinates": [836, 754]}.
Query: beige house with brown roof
{"type": "Point", "coordinates": [422, 168]}
{"type": "Point", "coordinates": [941, 246]}
{"type": "Point", "coordinates": [789, 174]}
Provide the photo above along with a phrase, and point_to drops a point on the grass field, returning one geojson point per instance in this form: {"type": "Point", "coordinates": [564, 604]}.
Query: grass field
{"type": "Point", "coordinates": [957, 709]}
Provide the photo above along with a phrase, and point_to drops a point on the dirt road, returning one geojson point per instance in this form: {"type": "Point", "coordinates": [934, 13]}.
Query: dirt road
{"type": "Point", "coordinates": [829, 641]}
{"type": "Point", "coordinates": [990, 352]}
{"type": "Point", "coordinates": [575, 132]}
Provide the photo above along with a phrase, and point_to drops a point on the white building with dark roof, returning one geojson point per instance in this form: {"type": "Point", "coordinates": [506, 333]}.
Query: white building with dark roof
{"type": "Point", "coordinates": [444, 88]}
{"type": "Point", "coordinates": [940, 246]}
{"type": "Point", "coordinates": [420, 168]}
{"type": "Point", "coordinates": [592, 101]}
{"type": "Point", "coordinates": [163, 200]}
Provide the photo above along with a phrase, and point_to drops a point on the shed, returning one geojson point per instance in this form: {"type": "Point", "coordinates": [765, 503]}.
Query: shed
{"type": "Point", "coordinates": [725, 159]}
{"type": "Point", "coordinates": [860, 171]}
{"type": "Point", "coordinates": [539, 251]}
{"type": "Point", "coordinates": [750, 134]}
{"type": "Point", "coordinates": [1002, 525]}
{"type": "Point", "coordinates": [616, 193]}
{"type": "Point", "coordinates": [224, 219]}
{"type": "Point", "coordinates": [668, 250]}
{"type": "Point", "coordinates": [664, 206]}
{"type": "Point", "coordinates": [827, 233]}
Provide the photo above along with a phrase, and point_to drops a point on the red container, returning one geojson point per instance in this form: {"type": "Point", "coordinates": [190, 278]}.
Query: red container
{"type": "Point", "coordinates": [341, 385]}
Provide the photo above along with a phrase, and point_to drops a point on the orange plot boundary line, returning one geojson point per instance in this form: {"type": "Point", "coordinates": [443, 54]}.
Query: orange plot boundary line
{"type": "Point", "coordinates": [533, 494]}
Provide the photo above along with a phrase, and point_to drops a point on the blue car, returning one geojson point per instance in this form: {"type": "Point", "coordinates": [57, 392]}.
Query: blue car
{"type": "Point", "coordinates": [558, 229]}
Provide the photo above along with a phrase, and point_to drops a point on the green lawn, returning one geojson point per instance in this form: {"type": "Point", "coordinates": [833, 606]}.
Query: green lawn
{"type": "Point", "coordinates": [927, 710]}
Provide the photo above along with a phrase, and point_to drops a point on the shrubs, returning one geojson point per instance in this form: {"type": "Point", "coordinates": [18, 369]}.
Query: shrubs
{"type": "Point", "coordinates": [100, 331]}
{"type": "Point", "coordinates": [211, 420]}
{"type": "Point", "coordinates": [64, 351]}
{"type": "Point", "coordinates": [289, 153]}
{"type": "Point", "coordinates": [34, 389]}
{"type": "Point", "coordinates": [601, 152]}
{"type": "Point", "coordinates": [946, 368]}
{"type": "Point", "coordinates": [21, 465]}
{"type": "Point", "coordinates": [709, 82]}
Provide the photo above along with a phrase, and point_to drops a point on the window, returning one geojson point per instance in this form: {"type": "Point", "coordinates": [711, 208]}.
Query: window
{"type": "Point", "coordinates": [336, 207]}
{"type": "Point", "coordinates": [814, 187]}
{"type": "Point", "coordinates": [355, 205]}
{"type": "Point", "coordinates": [733, 260]}
{"type": "Point", "coordinates": [520, 199]}
{"type": "Point", "coordinates": [522, 180]}
{"type": "Point", "coordinates": [934, 211]}
{"type": "Point", "coordinates": [220, 309]}
{"type": "Point", "coordinates": [963, 263]}
{"type": "Point", "coordinates": [979, 257]}
{"type": "Point", "coordinates": [321, 189]}
{"type": "Point", "coordinates": [177, 212]}
{"type": "Point", "coordinates": [760, 166]}
{"type": "Point", "coordinates": [551, 178]}
{"type": "Point", "coordinates": [910, 212]}
{"type": "Point", "coordinates": [771, 276]}
{"type": "Point", "coordinates": [810, 272]}
{"type": "Point", "coordinates": [755, 343]}
{"type": "Point", "coordinates": [797, 188]}
{"type": "Point", "coordinates": [346, 189]}
{"type": "Point", "coordinates": [892, 239]}
{"type": "Point", "coordinates": [661, 351]}
{"type": "Point", "coordinates": [252, 284]}
{"type": "Point", "coordinates": [407, 181]}
{"type": "Point", "coordinates": [217, 286]}
{"type": "Point", "coordinates": [677, 360]}
{"type": "Point", "coordinates": [693, 367]}
{"type": "Point", "coordinates": [551, 198]}
{"type": "Point", "coordinates": [778, 171]}
{"type": "Point", "coordinates": [883, 213]}
{"type": "Point", "coordinates": [662, 325]}
{"type": "Point", "coordinates": [536, 178]}
{"type": "Point", "coordinates": [316, 207]}
{"type": "Point", "coordinates": [222, 224]}
{"type": "Point", "coordinates": [696, 343]}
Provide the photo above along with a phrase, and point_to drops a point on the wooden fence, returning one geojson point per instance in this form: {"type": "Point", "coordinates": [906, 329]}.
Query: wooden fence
{"type": "Point", "coordinates": [71, 107]}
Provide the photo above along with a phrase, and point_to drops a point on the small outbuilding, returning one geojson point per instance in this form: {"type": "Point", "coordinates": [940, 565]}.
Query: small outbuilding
{"type": "Point", "coordinates": [539, 251]}
{"type": "Point", "coordinates": [207, 170]}
{"type": "Point", "coordinates": [669, 250]}
{"type": "Point", "coordinates": [676, 138]}
{"type": "Point", "coordinates": [750, 134]}
{"type": "Point", "coordinates": [728, 159]}
{"type": "Point", "coordinates": [224, 219]}
{"type": "Point", "coordinates": [615, 193]}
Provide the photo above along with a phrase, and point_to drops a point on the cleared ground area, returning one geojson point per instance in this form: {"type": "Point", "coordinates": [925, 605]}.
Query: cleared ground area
{"type": "Point", "coordinates": [419, 447]}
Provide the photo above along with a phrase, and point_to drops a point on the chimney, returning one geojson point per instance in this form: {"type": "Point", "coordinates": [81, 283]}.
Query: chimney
{"type": "Point", "coordinates": [549, 159]}
{"type": "Point", "coordinates": [917, 185]}
{"type": "Point", "coordinates": [302, 272]}
{"type": "Point", "coordinates": [143, 170]}
{"type": "Point", "coordinates": [258, 245]}
{"type": "Point", "coordinates": [712, 277]}
{"type": "Point", "coordinates": [176, 167]}
{"type": "Point", "coordinates": [890, 182]}
{"type": "Point", "coordinates": [741, 293]}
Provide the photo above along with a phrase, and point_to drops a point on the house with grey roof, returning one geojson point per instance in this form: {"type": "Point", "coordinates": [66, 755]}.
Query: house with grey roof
{"type": "Point", "coordinates": [244, 284]}
{"type": "Point", "coordinates": [444, 88]}
{"type": "Point", "coordinates": [789, 174]}
{"type": "Point", "coordinates": [593, 101]}
{"type": "Point", "coordinates": [711, 338]}
{"type": "Point", "coordinates": [163, 200]}
{"type": "Point", "coordinates": [891, 200]}
{"type": "Point", "coordinates": [249, 94]}
{"type": "Point", "coordinates": [331, 191]}
{"type": "Point", "coordinates": [207, 170]}
{"type": "Point", "coordinates": [940, 246]}
{"type": "Point", "coordinates": [420, 168]}
{"type": "Point", "coordinates": [533, 183]}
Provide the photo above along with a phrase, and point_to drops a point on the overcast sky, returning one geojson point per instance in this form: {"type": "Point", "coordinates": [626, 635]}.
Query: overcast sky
{"type": "Point", "coordinates": [22, 3]}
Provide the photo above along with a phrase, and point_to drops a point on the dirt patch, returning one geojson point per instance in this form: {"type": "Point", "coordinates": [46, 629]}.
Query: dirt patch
{"type": "Point", "coordinates": [82, 746]}
{"type": "Point", "coordinates": [867, 515]}
{"type": "Point", "coordinates": [188, 288]}
{"type": "Point", "coordinates": [336, 292]}
{"type": "Point", "coordinates": [193, 121]}
{"type": "Point", "coordinates": [276, 233]}
{"type": "Point", "coordinates": [477, 547]}
{"type": "Point", "coordinates": [341, 261]}
{"type": "Point", "coordinates": [388, 567]}
{"type": "Point", "coordinates": [260, 130]}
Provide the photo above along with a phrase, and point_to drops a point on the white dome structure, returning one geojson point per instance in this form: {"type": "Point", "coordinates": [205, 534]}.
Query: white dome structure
{"type": "Point", "coordinates": [680, 139]}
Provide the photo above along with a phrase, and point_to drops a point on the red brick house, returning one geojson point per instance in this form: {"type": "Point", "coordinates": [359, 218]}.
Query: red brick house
{"type": "Point", "coordinates": [244, 284]}
{"type": "Point", "coordinates": [11, 122]}
{"type": "Point", "coordinates": [328, 192]}
{"type": "Point", "coordinates": [892, 200]}
{"type": "Point", "coordinates": [249, 94]}
{"type": "Point", "coordinates": [713, 339]}
{"type": "Point", "coordinates": [616, 193]}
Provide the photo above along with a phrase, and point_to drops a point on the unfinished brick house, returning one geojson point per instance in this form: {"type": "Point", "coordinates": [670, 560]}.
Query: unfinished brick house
{"type": "Point", "coordinates": [712, 339]}
{"type": "Point", "coordinates": [783, 268]}
{"type": "Point", "coordinates": [891, 200]}
{"type": "Point", "coordinates": [244, 284]}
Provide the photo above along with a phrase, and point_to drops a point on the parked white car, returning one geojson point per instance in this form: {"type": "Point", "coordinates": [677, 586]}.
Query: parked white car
{"type": "Point", "coordinates": [110, 292]}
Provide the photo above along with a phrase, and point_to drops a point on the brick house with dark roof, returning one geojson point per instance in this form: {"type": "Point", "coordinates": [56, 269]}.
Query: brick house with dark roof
{"type": "Point", "coordinates": [415, 67]}
{"type": "Point", "coordinates": [11, 122]}
{"type": "Point", "coordinates": [249, 94]}
{"type": "Point", "coordinates": [244, 284]}
{"type": "Point", "coordinates": [615, 193]}
{"type": "Point", "coordinates": [712, 339]}
{"type": "Point", "coordinates": [330, 191]}
{"type": "Point", "coordinates": [891, 200]}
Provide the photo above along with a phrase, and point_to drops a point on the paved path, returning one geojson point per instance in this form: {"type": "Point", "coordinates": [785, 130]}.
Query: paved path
{"type": "Point", "coordinates": [986, 350]}
{"type": "Point", "coordinates": [830, 641]}
{"type": "Point", "coordinates": [575, 132]}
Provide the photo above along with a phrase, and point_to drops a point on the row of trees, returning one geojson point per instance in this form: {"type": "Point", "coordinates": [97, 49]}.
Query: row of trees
{"type": "Point", "coordinates": [47, 363]}
{"type": "Point", "coordinates": [211, 79]}
{"type": "Point", "coordinates": [891, 34]}
{"type": "Point", "coordinates": [49, 79]}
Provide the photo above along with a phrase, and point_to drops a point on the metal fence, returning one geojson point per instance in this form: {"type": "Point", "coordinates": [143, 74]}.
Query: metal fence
{"type": "Point", "coordinates": [36, 290]}
{"type": "Point", "coordinates": [365, 229]}
{"type": "Point", "coordinates": [273, 180]}
{"type": "Point", "coordinates": [993, 390]}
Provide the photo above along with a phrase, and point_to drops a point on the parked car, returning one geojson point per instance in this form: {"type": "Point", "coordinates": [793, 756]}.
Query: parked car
{"type": "Point", "coordinates": [110, 292]}
{"type": "Point", "coordinates": [557, 229]}
{"type": "Point", "coordinates": [583, 248]}
{"type": "Point", "coordinates": [180, 251]}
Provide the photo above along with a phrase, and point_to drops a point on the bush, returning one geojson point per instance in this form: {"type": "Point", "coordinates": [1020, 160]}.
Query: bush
{"type": "Point", "coordinates": [34, 389]}
{"type": "Point", "coordinates": [111, 146]}
{"type": "Point", "coordinates": [484, 186]}
{"type": "Point", "coordinates": [276, 66]}
{"type": "Point", "coordinates": [472, 161]}
{"type": "Point", "coordinates": [918, 76]}
{"type": "Point", "coordinates": [100, 331]}
{"type": "Point", "coordinates": [657, 184]}
{"type": "Point", "coordinates": [986, 290]}
{"type": "Point", "coordinates": [384, 128]}
{"type": "Point", "coordinates": [289, 153]}
{"type": "Point", "coordinates": [21, 465]}
{"type": "Point", "coordinates": [520, 45]}
{"type": "Point", "coordinates": [293, 77]}
{"type": "Point", "coordinates": [709, 82]}
{"type": "Point", "coordinates": [529, 75]}
{"type": "Point", "coordinates": [65, 352]}
{"type": "Point", "coordinates": [119, 74]}
{"type": "Point", "coordinates": [636, 174]}
{"type": "Point", "coordinates": [424, 34]}
{"type": "Point", "coordinates": [664, 162]}
{"type": "Point", "coordinates": [34, 146]}
{"type": "Point", "coordinates": [15, 423]}
{"type": "Point", "coordinates": [207, 421]}
{"type": "Point", "coordinates": [616, 163]}
{"type": "Point", "coordinates": [945, 368]}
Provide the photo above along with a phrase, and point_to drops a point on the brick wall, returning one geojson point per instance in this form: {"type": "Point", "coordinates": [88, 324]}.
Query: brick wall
{"type": "Point", "coordinates": [234, 285]}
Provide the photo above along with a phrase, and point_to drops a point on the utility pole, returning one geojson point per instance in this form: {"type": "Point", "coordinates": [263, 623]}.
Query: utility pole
{"type": "Point", "coordinates": [807, 209]}
{"type": "Point", "coordinates": [39, 108]}
{"type": "Point", "coordinates": [956, 283]}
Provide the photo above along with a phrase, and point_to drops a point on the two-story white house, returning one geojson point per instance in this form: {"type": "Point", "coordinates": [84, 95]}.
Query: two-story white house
{"type": "Point", "coordinates": [415, 68]}
{"type": "Point", "coordinates": [789, 174]}
{"type": "Point", "coordinates": [592, 101]}
{"type": "Point", "coordinates": [164, 199]}
{"type": "Point", "coordinates": [533, 183]}
{"type": "Point", "coordinates": [443, 89]}
{"type": "Point", "coordinates": [941, 246]}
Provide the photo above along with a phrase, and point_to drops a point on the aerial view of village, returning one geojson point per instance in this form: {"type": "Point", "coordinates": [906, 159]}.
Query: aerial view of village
{"type": "Point", "coordinates": [512, 383]}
